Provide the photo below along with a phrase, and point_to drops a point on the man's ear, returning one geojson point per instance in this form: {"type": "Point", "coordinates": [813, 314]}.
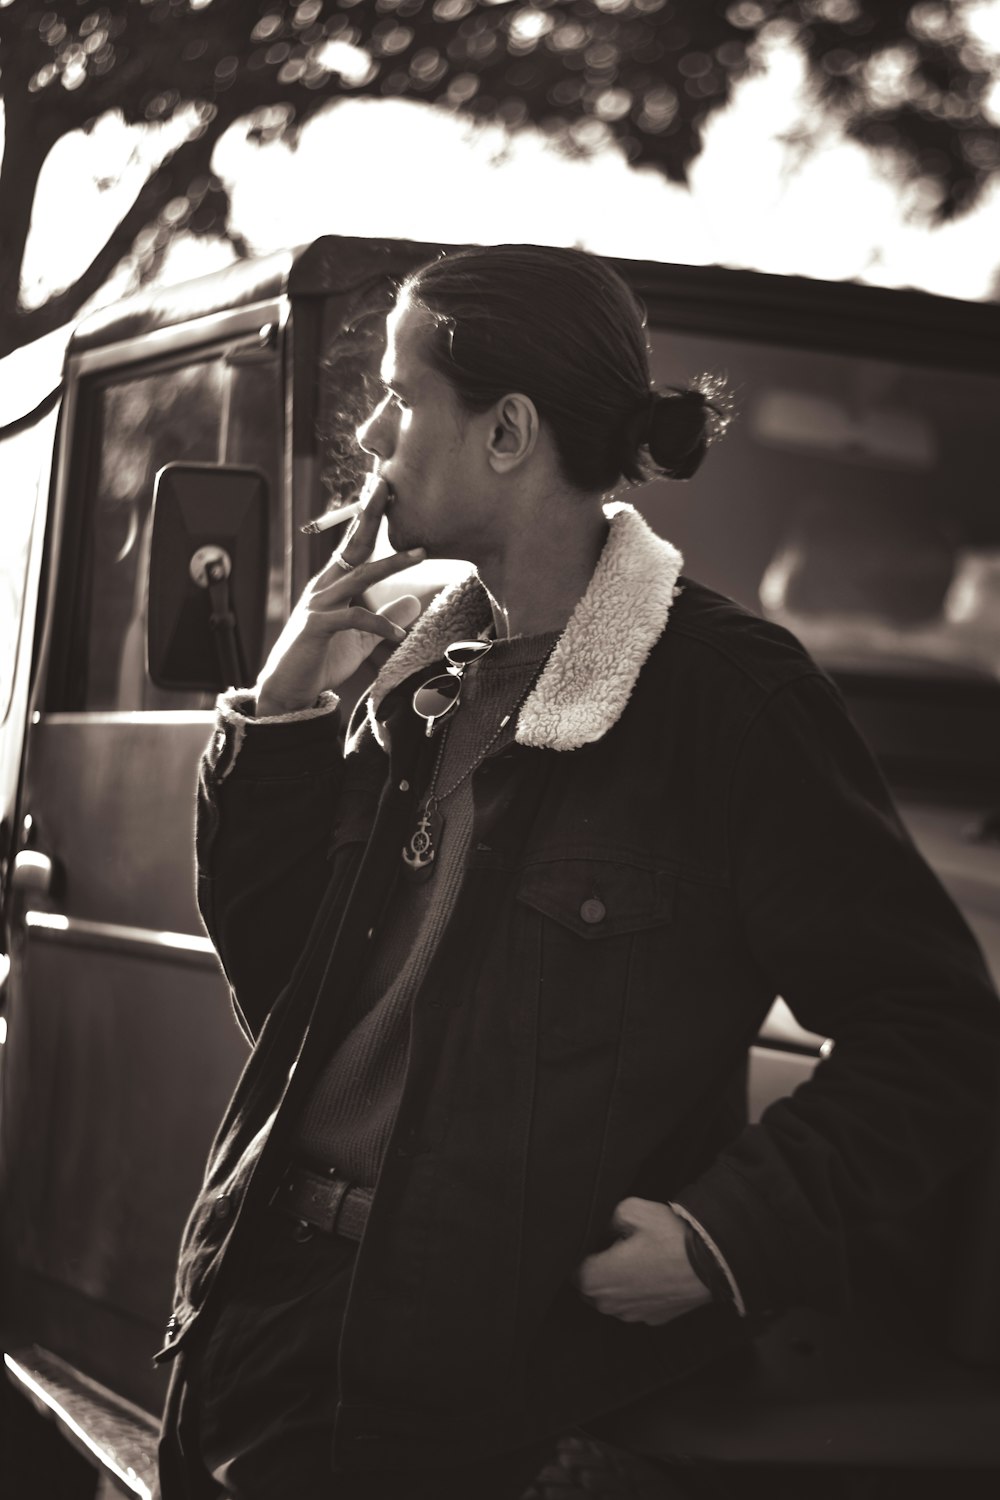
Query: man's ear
{"type": "Point", "coordinates": [513, 432]}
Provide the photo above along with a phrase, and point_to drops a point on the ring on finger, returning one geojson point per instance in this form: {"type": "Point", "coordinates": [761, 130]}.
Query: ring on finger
{"type": "Point", "coordinates": [343, 563]}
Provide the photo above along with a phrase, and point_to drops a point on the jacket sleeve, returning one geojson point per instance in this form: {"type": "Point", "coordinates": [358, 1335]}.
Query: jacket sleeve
{"type": "Point", "coordinates": [853, 929]}
{"type": "Point", "coordinates": [267, 794]}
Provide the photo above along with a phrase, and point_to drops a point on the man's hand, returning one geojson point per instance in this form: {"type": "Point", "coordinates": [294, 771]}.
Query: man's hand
{"type": "Point", "coordinates": [328, 635]}
{"type": "Point", "coordinates": [645, 1277]}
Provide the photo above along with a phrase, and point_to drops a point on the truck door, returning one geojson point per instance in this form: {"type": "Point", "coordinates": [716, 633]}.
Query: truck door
{"type": "Point", "coordinates": [25, 468]}
{"type": "Point", "coordinates": [121, 1048]}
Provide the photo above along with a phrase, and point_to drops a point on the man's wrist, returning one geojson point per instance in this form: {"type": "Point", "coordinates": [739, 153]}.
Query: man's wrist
{"type": "Point", "coordinates": [270, 708]}
{"type": "Point", "coordinates": [273, 708]}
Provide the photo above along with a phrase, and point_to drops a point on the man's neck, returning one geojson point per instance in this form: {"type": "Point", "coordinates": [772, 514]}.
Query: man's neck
{"type": "Point", "coordinates": [539, 579]}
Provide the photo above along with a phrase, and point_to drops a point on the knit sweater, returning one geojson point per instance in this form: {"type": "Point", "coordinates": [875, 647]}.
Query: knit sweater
{"type": "Point", "coordinates": [349, 1115]}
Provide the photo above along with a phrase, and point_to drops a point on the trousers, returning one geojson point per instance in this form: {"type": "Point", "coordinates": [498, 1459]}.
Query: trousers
{"type": "Point", "coordinates": [258, 1394]}
{"type": "Point", "coordinates": [260, 1389]}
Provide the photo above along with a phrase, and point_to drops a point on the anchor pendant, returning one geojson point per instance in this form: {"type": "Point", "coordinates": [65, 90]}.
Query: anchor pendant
{"type": "Point", "coordinates": [421, 851]}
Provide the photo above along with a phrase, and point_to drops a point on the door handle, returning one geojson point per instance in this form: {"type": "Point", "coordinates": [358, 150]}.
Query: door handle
{"type": "Point", "coordinates": [33, 871]}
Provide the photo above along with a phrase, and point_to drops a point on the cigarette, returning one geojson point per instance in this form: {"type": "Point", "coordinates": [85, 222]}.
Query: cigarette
{"type": "Point", "coordinates": [333, 518]}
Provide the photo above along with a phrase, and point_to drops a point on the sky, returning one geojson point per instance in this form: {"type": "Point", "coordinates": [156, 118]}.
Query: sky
{"type": "Point", "coordinates": [399, 168]}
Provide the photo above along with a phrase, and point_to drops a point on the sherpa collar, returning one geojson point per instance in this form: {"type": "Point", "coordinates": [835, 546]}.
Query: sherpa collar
{"type": "Point", "coordinates": [593, 668]}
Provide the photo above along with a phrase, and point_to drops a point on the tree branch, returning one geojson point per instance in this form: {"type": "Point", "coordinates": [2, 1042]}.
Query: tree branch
{"type": "Point", "coordinates": [19, 172]}
{"type": "Point", "coordinates": [170, 178]}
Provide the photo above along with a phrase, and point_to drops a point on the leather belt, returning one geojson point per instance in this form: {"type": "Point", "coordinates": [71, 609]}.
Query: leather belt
{"type": "Point", "coordinates": [324, 1201]}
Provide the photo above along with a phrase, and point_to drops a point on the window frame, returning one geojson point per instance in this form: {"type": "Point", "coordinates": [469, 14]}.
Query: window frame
{"type": "Point", "coordinates": [204, 338]}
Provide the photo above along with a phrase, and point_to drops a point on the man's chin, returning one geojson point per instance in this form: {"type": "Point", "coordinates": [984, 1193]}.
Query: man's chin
{"type": "Point", "coordinates": [402, 539]}
{"type": "Point", "coordinates": [398, 539]}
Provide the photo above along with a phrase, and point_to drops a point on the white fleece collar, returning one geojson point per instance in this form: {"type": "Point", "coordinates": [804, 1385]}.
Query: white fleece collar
{"type": "Point", "coordinates": [593, 668]}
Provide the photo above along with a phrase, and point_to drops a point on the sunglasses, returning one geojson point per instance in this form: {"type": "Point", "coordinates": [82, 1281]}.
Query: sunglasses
{"type": "Point", "coordinates": [435, 699]}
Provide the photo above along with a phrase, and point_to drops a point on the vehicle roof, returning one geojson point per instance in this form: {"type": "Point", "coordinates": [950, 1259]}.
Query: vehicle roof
{"type": "Point", "coordinates": [848, 316]}
{"type": "Point", "coordinates": [239, 285]}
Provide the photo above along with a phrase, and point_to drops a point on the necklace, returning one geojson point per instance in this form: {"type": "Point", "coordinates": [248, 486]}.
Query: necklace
{"type": "Point", "coordinates": [421, 851]}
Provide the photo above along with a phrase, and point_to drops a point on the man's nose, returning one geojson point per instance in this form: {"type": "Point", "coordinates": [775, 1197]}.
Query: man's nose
{"type": "Point", "coordinates": [376, 435]}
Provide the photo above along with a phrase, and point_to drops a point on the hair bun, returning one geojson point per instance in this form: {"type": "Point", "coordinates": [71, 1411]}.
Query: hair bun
{"type": "Point", "coordinates": [676, 424]}
{"type": "Point", "coordinates": [677, 431]}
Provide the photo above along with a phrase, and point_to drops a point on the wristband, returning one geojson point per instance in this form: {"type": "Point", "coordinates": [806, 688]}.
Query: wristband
{"type": "Point", "coordinates": [707, 1269]}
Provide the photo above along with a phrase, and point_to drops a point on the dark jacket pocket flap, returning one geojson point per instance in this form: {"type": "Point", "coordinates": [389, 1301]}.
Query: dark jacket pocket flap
{"type": "Point", "coordinates": [597, 898]}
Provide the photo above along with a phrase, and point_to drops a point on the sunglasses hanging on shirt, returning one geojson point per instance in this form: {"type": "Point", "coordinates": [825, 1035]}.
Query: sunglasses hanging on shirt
{"type": "Point", "coordinates": [438, 697]}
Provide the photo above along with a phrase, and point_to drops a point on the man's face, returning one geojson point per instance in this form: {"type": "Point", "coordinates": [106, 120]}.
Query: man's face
{"type": "Point", "coordinates": [428, 448]}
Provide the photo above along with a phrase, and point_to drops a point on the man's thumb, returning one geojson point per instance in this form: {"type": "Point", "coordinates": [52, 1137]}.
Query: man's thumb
{"type": "Point", "coordinates": [625, 1220]}
{"type": "Point", "coordinates": [402, 611]}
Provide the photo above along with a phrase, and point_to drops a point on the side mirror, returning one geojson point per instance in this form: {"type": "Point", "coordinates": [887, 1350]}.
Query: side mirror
{"type": "Point", "coordinates": [208, 567]}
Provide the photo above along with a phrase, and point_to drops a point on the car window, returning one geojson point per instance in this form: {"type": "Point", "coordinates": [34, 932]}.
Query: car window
{"type": "Point", "coordinates": [851, 500]}
{"type": "Point", "coordinates": [204, 410]}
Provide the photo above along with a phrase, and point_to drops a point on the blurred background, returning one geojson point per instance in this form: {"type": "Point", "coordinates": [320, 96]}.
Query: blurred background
{"type": "Point", "coordinates": [148, 142]}
{"type": "Point", "coordinates": [156, 140]}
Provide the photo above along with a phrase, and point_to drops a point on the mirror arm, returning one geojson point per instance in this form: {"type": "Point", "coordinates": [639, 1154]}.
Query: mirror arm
{"type": "Point", "coordinates": [225, 632]}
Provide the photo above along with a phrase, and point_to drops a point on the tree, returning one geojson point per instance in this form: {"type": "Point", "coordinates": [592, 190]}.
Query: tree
{"type": "Point", "coordinates": [904, 77]}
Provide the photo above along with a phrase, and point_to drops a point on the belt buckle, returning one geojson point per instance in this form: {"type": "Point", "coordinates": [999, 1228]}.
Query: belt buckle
{"type": "Point", "coordinates": [311, 1199]}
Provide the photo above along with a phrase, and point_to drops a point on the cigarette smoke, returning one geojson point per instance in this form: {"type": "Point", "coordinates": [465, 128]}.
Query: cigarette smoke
{"type": "Point", "coordinates": [350, 389]}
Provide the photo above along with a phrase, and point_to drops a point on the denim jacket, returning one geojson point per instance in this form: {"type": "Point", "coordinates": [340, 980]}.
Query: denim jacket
{"type": "Point", "coordinates": [686, 825]}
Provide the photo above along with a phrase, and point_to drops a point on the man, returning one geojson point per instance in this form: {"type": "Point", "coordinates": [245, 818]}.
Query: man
{"type": "Point", "coordinates": [487, 1174]}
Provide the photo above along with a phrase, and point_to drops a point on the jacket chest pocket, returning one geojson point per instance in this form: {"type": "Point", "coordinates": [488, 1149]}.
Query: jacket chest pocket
{"type": "Point", "coordinates": [590, 921]}
{"type": "Point", "coordinates": [353, 822]}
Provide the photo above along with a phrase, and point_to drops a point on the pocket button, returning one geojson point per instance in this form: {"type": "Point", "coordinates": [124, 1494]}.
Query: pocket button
{"type": "Point", "coordinates": [593, 910]}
